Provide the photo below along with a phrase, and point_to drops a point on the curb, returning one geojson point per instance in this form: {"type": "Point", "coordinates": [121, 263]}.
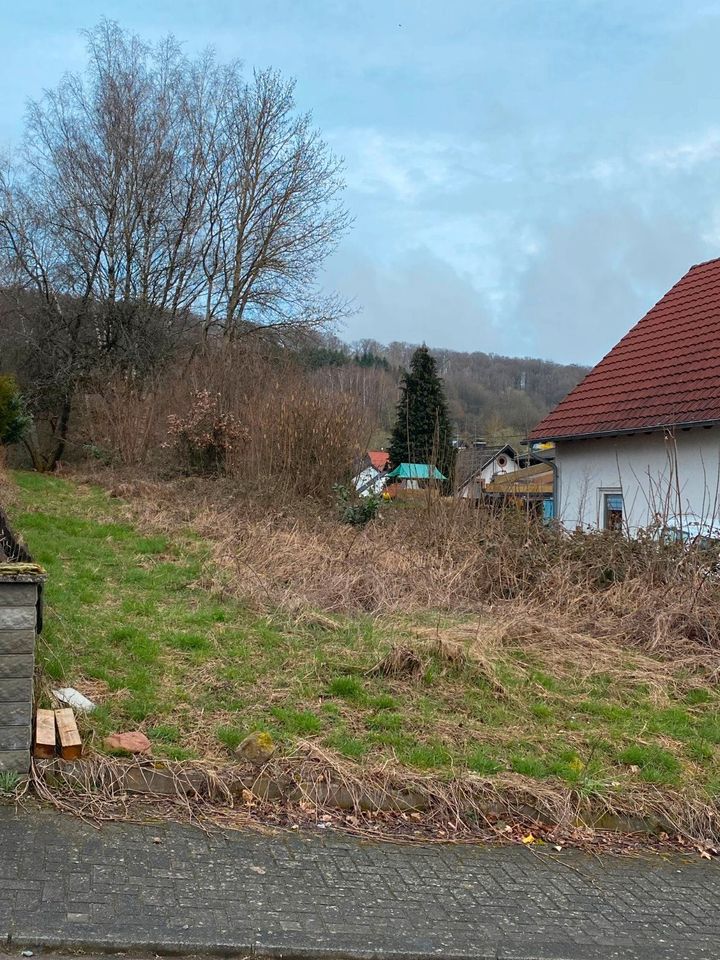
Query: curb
{"type": "Point", "coordinates": [271, 948]}
{"type": "Point", "coordinates": [163, 779]}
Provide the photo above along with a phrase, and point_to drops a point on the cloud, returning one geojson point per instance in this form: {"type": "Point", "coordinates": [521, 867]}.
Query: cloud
{"type": "Point", "coordinates": [597, 274]}
{"type": "Point", "coordinates": [415, 297]}
{"type": "Point", "coordinates": [703, 148]}
{"type": "Point", "coordinates": [412, 167]}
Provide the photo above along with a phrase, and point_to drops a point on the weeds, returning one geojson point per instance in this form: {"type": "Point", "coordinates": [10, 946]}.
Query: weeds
{"type": "Point", "coordinates": [553, 683]}
{"type": "Point", "coordinates": [354, 509]}
{"type": "Point", "coordinates": [8, 782]}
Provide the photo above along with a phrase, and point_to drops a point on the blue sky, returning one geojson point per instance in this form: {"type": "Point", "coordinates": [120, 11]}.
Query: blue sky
{"type": "Point", "coordinates": [525, 176]}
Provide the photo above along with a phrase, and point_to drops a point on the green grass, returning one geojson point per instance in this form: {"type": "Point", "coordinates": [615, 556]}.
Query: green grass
{"type": "Point", "coordinates": [125, 614]}
{"type": "Point", "coordinates": [656, 765]}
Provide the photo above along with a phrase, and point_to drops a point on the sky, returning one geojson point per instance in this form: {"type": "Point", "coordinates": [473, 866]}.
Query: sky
{"type": "Point", "coordinates": [525, 177]}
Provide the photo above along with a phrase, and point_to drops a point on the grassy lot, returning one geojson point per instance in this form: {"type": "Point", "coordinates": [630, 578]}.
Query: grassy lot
{"type": "Point", "coordinates": [128, 623]}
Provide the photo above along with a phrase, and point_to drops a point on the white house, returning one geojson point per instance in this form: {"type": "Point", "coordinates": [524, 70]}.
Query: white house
{"type": "Point", "coordinates": [370, 478]}
{"type": "Point", "coordinates": [638, 440]}
{"type": "Point", "coordinates": [478, 466]}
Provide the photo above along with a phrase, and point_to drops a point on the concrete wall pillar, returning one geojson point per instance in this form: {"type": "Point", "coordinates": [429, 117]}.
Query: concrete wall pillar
{"type": "Point", "coordinates": [19, 594]}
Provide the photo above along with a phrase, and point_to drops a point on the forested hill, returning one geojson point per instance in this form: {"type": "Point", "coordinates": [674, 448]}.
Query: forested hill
{"type": "Point", "coordinates": [489, 395]}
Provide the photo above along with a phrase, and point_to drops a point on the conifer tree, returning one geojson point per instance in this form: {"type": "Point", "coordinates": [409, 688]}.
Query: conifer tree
{"type": "Point", "coordinates": [422, 432]}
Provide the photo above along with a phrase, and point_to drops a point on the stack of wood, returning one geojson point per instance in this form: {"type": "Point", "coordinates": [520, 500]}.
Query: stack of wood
{"type": "Point", "coordinates": [56, 732]}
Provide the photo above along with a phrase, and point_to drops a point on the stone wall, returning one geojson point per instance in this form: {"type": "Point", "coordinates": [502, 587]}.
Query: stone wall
{"type": "Point", "coordinates": [18, 622]}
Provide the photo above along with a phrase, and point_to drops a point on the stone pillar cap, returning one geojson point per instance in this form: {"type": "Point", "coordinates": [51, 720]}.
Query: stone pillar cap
{"type": "Point", "coordinates": [22, 573]}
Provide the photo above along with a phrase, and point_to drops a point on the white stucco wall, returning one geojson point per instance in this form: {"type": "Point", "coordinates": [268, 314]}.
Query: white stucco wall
{"type": "Point", "coordinates": [656, 474]}
{"type": "Point", "coordinates": [494, 469]}
{"type": "Point", "coordinates": [473, 488]}
{"type": "Point", "coordinates": [372, 477]}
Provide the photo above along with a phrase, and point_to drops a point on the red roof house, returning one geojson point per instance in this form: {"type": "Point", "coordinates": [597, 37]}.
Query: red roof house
{"type": "Point", "coordinates": [380, 459]}
{"type": "Point", "coordinates": [664, 372]}
{"type": "Point", "coordinates": [370, 472]}
{"type": "Point", "coordinates": [638, 441]}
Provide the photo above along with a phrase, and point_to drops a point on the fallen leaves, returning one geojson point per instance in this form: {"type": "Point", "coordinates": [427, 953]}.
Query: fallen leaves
{"type": "Point", "coordinates": [708, 852]}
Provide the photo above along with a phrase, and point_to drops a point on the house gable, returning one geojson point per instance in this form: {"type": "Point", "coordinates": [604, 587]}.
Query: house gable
{"type": "Point", "coordinates": [664, 373]}
{"type": "Point", "coordinates": [487, 463]}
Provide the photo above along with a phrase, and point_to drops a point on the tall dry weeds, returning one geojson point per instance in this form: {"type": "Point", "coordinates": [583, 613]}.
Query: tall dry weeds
{"type": "Point", "coordinates": [432, 554]}
{"type": "Point", "coordinates": [300, 435]}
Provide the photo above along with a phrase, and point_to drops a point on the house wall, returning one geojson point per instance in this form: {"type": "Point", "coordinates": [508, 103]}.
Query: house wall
{"type": "Point", "coordinates": [656, 474]}
{"type": "Point", "coordinates": [372, 477]}
{"type": "Point", "coordinates": [493, 469]}
{"type": "Point", "coordinates": [473, 489]}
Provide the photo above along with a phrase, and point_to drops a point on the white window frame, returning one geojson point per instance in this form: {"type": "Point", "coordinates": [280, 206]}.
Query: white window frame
{"type": "Point", "coordinates": [603, 494]}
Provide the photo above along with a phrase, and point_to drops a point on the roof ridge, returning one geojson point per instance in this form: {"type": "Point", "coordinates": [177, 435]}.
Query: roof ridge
{"type": "Point", "coordinates": [702, 263]}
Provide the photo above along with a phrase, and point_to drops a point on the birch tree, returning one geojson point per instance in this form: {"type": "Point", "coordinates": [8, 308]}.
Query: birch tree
{"type": "Point", "coordinates": [158, 197]}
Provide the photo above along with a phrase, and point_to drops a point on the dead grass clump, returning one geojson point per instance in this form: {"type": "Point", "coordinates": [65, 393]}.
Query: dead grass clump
{"type": "Point", "coordinates": [398, 662]}
{"type": "Point", "coordinates": [133, 489]}
{"type": "Point", "coordinates": [312, 784]}
{"type": "Point", "coordinates": [449, 652]}
{"type": "Point", "coordinates": [673, 628]}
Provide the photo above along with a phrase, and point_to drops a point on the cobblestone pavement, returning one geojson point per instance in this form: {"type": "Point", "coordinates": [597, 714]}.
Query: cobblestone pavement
{"type": "Point", "coordinates": [176, 889]}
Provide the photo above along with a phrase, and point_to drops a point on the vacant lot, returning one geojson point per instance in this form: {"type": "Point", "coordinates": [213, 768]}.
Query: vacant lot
{"type": "Point", "coordinates": [130, 623]}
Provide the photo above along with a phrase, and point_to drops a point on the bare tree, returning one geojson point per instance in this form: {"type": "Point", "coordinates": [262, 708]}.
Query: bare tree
{"type": "Point", "coordinates": [156, 194]}
{"type": "Point", "coordinates": [273, 212]}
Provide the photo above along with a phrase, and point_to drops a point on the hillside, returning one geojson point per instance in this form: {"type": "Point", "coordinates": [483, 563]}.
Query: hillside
{"type": "Point", "coordinates": [489, 395]}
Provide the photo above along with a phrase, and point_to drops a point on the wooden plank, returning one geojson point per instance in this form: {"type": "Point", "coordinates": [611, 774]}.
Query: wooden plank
{"type": "Point", "coordinates": [70, 742]}
{"type": "Point", "coordinates": [44, 734]}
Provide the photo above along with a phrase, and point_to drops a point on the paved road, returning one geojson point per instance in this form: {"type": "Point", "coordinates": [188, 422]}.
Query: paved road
{"type": "Point", "coordinates": [66, 885]}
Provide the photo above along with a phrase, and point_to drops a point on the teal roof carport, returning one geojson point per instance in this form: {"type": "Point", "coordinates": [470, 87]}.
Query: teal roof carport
{"type": "Point", "coordinates": [415, 471]}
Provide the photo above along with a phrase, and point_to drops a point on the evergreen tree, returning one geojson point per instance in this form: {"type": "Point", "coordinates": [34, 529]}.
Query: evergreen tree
{"type": "Point", "coordinates": [422, 432]}
{"type": "Point", "coordinates": [14, 419]}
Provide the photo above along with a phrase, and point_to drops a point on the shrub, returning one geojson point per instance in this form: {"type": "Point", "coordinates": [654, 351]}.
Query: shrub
{"type": "Point", "coordinates": [245, 410]}
{"type": "Point", "coordinates": [205, 436]}
{"type": "Point", "coordinates": [354, 509]}
{"type": "Point", "coordinates": [14, 418]}
{"type": "Point", "coordinates": [123, 420]}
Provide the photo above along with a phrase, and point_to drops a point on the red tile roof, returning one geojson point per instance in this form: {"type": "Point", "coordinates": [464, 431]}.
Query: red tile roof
{"type": "Point", "coordinates": [664, 372]}
{"type": "Point", "coordinates": [379, 459]}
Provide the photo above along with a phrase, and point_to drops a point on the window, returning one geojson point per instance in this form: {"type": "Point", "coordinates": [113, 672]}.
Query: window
{"type": "Point", "coordinates": [612, 511]}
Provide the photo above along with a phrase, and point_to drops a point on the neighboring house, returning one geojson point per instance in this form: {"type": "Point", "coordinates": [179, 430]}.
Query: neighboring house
{"type": "Point", "coordinates": [531, 487]}
{"type": "Point", "coordinates": [414, 476]}
{"type": "Point", "coordinates": [478, 465]}
{"type": "Point", "coordinates": [370, 477]}
{"type": "Point", "coordinates": [638, 440]}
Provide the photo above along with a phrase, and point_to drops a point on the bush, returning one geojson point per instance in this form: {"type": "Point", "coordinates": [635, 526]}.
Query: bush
{"type": "Point", "coordinates": [354, 509]}
{"type": "Point", "coordinates": [205, 436]}
{"type": "Point", "coordinates": [14, 418]}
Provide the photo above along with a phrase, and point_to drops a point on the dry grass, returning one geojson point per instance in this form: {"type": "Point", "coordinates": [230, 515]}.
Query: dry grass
{"type": "Point", "coordinates": [441, 555]}
{"type": "Point", "coordinates": [466, 655]}
{"type": "Point", "coordinates": [313, 785]}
